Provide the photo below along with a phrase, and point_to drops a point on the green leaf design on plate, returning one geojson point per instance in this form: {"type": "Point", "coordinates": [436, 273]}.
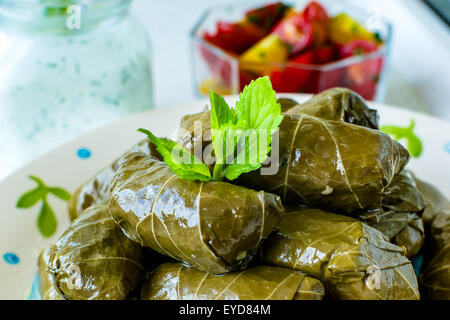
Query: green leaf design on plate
{"type": "Point", "coordinates": [46, 221]}
{"type": "Point", "coordinates": [413, 142]}
{"type": "Point", "coordinates": [60, 193]}
{"type": "Point", "coordinates": [29, 198]}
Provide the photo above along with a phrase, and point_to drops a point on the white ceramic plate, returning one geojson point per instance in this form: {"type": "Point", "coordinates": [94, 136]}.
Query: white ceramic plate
{"type": "Point", "coordinates": [73, 163]}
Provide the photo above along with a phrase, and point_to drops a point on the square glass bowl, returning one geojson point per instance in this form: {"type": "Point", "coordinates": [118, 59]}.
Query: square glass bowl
{"type": "Point", "coordinates": [215, 69]}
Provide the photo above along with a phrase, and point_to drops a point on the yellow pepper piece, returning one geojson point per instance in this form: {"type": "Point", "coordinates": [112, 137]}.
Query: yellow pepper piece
{"type": "Point", "coordinates": [215, 85]}
{"type": "Point", "coordinates": [344, 29]}
{"type": "Point", "coordinates": [271, 49]}
{"type": "Point", "coordinates": [289, 13]}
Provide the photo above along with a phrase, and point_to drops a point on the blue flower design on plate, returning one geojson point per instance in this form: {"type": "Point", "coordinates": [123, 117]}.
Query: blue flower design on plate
{"type": "Point", "coordinates": [11, 258]}
{"type": "Point", "coordinates": [84, 153]}
{"type": "Point", "coordinates": [447, 147]}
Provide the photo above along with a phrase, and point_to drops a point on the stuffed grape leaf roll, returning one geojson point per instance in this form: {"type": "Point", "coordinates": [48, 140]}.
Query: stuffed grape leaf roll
{"type": "Point", "coordinates": [214, 226]}
{"type": "Point", "coordinates": [287, 104]}
{"type": "Point", "coordinates": [353, 260]}
{"type": "Point", "coordinates": [96, 189]}
{"type": "Point", "coordinates": [339, 104]}
{"type": "Point", "coordinates": [332, 165]}
{"type": "Point", "coordinates": [47, 286]}
{"type": "Point", "coordinates": [174, 281]}
{"type": "Point", "coordinates": [435, 277]}
{"type": "Point", "coordinates": [95, 260]}
{"type": "Point", "coordinates": [401, 220]}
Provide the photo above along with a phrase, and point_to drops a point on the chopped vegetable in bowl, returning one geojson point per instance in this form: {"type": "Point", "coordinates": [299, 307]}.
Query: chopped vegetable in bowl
{"type": "Point", "coordinates": [306, 49]}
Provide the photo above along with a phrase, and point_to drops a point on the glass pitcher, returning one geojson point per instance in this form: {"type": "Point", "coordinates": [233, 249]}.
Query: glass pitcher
{"type": "Point", "coordinates": [67, 66]}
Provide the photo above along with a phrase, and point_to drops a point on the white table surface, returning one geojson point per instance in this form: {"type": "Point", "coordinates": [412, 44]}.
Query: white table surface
{"type": "Point", "coordinates": [419, 77]}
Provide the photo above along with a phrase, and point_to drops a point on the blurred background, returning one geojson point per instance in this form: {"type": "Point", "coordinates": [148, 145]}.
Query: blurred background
{"type": "Point", "coordinates": [70, 66]}
{"type": "Point", "coordinates": [418, 76]}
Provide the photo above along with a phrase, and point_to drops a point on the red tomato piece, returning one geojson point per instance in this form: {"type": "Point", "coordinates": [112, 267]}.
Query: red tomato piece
{"type": "Point", "coordinates": [314, 11]}
{"type": "Point", "coordinates": [293, 79]}
{"type": "Point", "coordinates": [245, 77]}
{"type": "Point", "coordinates": [358, 47]}
{"type": "Point", "coordinates": [295, 31]}
{"type": "Point", "coordinates": [330, 79]}
{"type": "Point", "coordinates": [266, 17]}
{"type": "Point", "coordinates": [326, 54]}
{"type": "Point", "coordinates": [363, 77]}
{"type": "Point", "coordinates": [234, 37]}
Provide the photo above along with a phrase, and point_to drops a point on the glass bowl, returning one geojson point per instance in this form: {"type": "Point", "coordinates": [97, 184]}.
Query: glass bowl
{"type": "Point", "coordinates": [215, 69]}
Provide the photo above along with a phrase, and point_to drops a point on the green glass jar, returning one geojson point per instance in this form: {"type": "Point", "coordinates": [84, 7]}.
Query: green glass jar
{"type": "Point", "coordinates": [67, 66]}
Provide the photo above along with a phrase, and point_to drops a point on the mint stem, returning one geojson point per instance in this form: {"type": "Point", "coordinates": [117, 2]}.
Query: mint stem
{"type": "Point", "coordinates": [218, 172]}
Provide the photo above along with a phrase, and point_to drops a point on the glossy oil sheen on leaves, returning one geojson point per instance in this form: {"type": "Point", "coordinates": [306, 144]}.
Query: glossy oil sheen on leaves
{"type": "Point", "coordinates": [401, 219]}
{"type": "Point", "coordinates": [47, 288]}
{"type": "Point", "coordinates": [334, 165]}
{"type": "Point", "coordinates": [341, 251]}
{"type": "Point", "coordinates": [338, 104]}
{"type": "Point", "coordinates": [96, 189]}
{"type": "Point", "coordinates": [339, 165]}
{"type": "Point", "coordinates": [174, 281]}
{"type": "Point", "coordinates": [214, 226]}
{"type": "Point", "coordinates": [94, 260]}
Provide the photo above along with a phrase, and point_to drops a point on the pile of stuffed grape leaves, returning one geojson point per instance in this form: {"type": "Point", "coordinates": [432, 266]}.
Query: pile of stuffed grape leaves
{"type": "Point", "coordinates": [401, 221]}
{"type": "Point", "coordinates": [353, 260]}
{"type": "Point", "coordinates": [215, 226]}
{"type": "Point", "coordinates": [196, 218]}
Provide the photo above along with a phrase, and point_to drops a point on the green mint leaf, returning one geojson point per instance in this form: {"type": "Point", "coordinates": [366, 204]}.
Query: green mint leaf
{"type": "Point", "coordinates": [258, 116]}
{"type": "Point", "coordinates": [46, 221]}
{"type": "Point", "coordinates": [181, 161]}
{"type": "Point", "coordinates": [251, 157]}
{"type": "Point", "coordinates": [222, 119]}
{"type": "Point", "coordinates": [258, 106]}
{"type": "Point", "coordinates": [221, 114]}
{"type": "Point", "coordinates": [60, 193]}
{"type": "Point", "coordinates": [30, 198]}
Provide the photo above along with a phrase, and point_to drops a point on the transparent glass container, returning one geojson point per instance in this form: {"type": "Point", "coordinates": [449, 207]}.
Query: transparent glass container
{"type": "Point", "coordinates": [61, 76]}
{"type": "Point", "coordinates": [215, 69]}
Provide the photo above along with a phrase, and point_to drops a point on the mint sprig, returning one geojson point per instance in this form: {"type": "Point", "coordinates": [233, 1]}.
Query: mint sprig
{"type": "Point", "coordinates": [246, 130]}
{"type": "Point", "coordinates": [180, 160]}
{"type": "Point", "coordinates": [241, 136]}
